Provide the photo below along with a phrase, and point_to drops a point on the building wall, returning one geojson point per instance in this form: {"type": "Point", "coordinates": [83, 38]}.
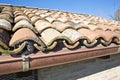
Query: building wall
{"type": "Point", "coordinates": [93, 69]}
{"type": "Point", "coordinates": [30, 75]}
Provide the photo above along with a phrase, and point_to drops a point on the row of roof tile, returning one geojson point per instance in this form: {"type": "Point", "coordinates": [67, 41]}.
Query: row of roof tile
{"type": "Point", "coordinates": [28, 28]}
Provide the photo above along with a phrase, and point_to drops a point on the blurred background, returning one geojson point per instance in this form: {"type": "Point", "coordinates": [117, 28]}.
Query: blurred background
{"type": "Point", "coordinates": [103, 8]}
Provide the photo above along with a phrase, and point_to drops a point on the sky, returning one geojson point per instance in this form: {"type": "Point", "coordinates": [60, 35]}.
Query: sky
{"type": "Point", "coordinates": [102, 8]}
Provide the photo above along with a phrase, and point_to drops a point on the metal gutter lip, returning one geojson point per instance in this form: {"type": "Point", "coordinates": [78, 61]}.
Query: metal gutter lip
{"type": "Point", "coordinates": [9, 64]}
{"type": "Point", "coordinates": [68, 52]}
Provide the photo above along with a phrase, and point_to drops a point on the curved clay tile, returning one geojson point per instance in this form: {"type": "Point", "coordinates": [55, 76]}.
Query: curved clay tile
{"type": "Point", "coordinates": [116, 36]}
{"type": "Point", "coordinates": [6, 17]}
{"type": "Point", "coordinates": [91, 36]}
{"type": "Point", "coordinates": [72, 35]}
{"type": "Point", "coordinates": [34, 11]}
{"type": "Point", "coordinates": [62, 19]}
{"type": "Point", "coordinates": [23, 35]}
{"type": "Point", "coordinates": [23, 24]}
{"type": "Point", "coordinates": [15, 51]}
{"type": "Point", "coordinates": [7, 12]}
{"type": "Point", "coordinates": [27, 12]}
{"type": "Point", "coordinates": [69, 46]}
{"type": "Point", "coordinates": [46, 14]}
{"type": "Point", "coordinates": [17, 11]}
{"type": "Point", "coordinates": [112, 28]}
{"type": "Point", "coordinates": [31, 15]}
{"type": "Point", "coordinates": [93, 27]}
{"type": "Point", "coordinates": [60, 26]}
{"type": "Point", "coordinates": [7, 9]}
{"type": "Point", "coordinates": [16, 8]}
{"type": "Point", "coordinates": [52, 46]}
{"type": "Point", "coordinates": [107, 27]}
{"type": "Point", "coordinates": [41, 25]}
{"type": "Point", "coordinates": [81, 25]}
{"type": "Point", "coordinates": [49, 19]}
{"type": "Point", "coordinates": [112, 23]}
{"type": "Point", "coordinates": [4, 24]}
{"type": "Point", "coordinates": [35, 19]}
{"type": "Point", "coordinates": [103, 27]}
{"type": "Point", "coordinates": [116, 40]}
{"type": "Point", "coordinates": [91, 44]}
{"type": "Point", "coordinates": [74, 25]}
{"type": "Point", "coordinates": [43, 15]}
{"type": "Point", "coordinates": [21, 17]}
{"type": "Point", "coordinates": [18, 14]}
{"type": "Point", "coordinates": [54, 15]}
{"type": "Point", "coordinates": [107, 36]}
{"type": "Point", "coordinates": [77, 21]}
{"type": "Point", "coordinates": [117, 30]}
{"type": "Point", "coordinates": [38, 12]}
{"type": "Point", "coordinates": [50, 35]}
{"type": "Point", "coordinates": [105, 43]}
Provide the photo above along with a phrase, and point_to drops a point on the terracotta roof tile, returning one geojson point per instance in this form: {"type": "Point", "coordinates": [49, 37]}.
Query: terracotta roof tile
{"type": "Point", "coordinates": [21, 17]}
{"type": "Point", "coordinates": [45, 29]}
{"type": "Point", "coordinates": [31, 15]}
{"type": "Point", "coordinates": [60, 26]}
{"type": "Point", "coordinates": [23, 24]}
{"type": "Point", "coordinates": [72, 35]}
{"type": "Point", "coordinates": [90, 35]}
{"type": "Point", "coordinates": [22, 35]}
{"type": "Point", "coordinates": [41, 25]}
{"type": "Point", "coordinates": [4, 24]}
{"type": "Point", "coordinates": [50, 35]}
{"type": "Point", "coordinates": [34, 19]}
{"type": "Point", "coordinates": [6, 17]}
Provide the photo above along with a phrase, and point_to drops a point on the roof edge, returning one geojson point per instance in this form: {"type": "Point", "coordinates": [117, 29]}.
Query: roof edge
{"type": "Point", "coordinates": [9, 64]}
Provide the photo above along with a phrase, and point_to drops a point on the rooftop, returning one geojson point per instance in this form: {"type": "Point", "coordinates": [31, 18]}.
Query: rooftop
{"type": "Point", "coordinates": [33, 30]}
{"type": "Point", "coordinates": [45, 29]}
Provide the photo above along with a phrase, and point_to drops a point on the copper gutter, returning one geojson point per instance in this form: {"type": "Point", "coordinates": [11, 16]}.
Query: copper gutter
{"type": "Point", "coordinates": [10, 64]}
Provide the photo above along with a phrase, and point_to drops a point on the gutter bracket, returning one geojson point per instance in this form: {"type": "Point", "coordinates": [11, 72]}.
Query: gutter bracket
{"type": "Point", "coordinates": [25, 63]}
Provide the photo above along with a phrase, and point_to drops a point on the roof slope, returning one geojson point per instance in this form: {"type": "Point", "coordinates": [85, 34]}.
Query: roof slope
{"type": "Point", "coordinates": [57, 37]}
{"type": "Point", "coordinates": [24, 28]}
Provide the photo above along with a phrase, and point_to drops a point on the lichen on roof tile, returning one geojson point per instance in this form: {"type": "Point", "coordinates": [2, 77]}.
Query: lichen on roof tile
{"type": "Point", "coordinates": [4, 39]}
{"type": "Point", "coordinates": [22, 35]}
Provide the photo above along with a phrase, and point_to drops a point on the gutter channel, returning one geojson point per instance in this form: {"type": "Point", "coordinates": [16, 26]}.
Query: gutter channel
{"type": "Point", "coordinates": [9, 64]}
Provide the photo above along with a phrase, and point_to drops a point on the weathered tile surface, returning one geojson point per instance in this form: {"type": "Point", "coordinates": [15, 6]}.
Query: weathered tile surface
{"type": "Point", "coordinates": [44, 29]}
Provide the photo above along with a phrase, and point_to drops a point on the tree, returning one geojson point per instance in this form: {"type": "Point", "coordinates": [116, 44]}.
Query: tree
{"type": "Point", "coordinates": [117, 15]}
